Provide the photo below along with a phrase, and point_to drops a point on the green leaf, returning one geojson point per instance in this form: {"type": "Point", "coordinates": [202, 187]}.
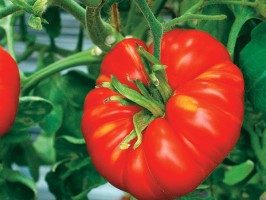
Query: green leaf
{"type": "Point", "coordinates": [39, 7]}
{"type": "Point", "coordinates": [67, 93]}
{"type": "Point", "coordinates": [73, 176]}
{"type": "Point", "coordinates": [217, 28]}
{"type": "Point", "coordinates": [31, 111]}
{"type": "Point", "coordinates": [14, 185]}
{"type": "Point", "coordinates": [237, 173]}
{"type": "Point", "coordinates": [35, 22]}
{"type": "Point", "coordinates": [24, 154]}
{"type": "Point", "coordinates": [73, 140]}
{"type": "Point", "coordinates": [31, 159]}
{"type": "Point", "coordinates": [52, 15]}
{"type": "Point", "coordinates": [198, 194]}
{"type": "Point", "coordinates": [44, 147]}
{"type": "Point", "coordinates": [53, 121]}
{"type": "Point", "coordinates": [15, 136]}
{"type": "Point", "coordinates": [75, 86]}
{"type": "Point", "coordinates": [69, 147]}
{"type": "Point", "coordinates": [76, 165]}
{"type": "Point", "coordinates": [74, 179]}
{"type": "Point", "coordinates": [263, 196]}
{"type": "Point", "coordinates": [253, 66]}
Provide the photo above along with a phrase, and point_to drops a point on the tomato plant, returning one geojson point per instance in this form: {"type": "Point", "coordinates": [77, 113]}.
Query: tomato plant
{"type": "Point", "coordinates": [9, 91]}
{"type": "Point", "coordinates": [178, 111]}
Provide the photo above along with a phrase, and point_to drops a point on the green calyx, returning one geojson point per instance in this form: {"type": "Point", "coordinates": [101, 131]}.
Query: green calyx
{"type": "Point", "coordinates": [151, 98]}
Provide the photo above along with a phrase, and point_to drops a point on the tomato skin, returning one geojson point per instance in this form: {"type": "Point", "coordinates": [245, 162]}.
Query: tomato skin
{"type": "Point", "coordinates": [127, 63]}
{"type": "Point", "coordinates": [201, 125]}
{"type": "Point", "coordinates": [9, 91]}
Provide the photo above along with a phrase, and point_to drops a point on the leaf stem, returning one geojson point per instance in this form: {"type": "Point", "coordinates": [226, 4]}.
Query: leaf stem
{"type": "Point", "coordinates": [82, 58]}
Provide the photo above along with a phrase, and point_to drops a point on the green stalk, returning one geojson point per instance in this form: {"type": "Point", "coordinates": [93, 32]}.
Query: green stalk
{"type": "Point", "coordinates": [240, 2]}
{"type": "Point", "coordinates": [141, 30]}
{"type": "Point", "coordinates": [71, 7]}
{"type": "Point", "coordinates": [9, 30]}
{"type": "Point", "coordinates": [8, 10]}
{"type": "Point", "coordinates": [82, 58]}
{"type": "Point", "coordinates": [190, 16]}
{"type": "Point", "coordinates": [156, 108]}
{"type": "Point", "coordinates": [158, 76]}
{"type": "Point", "coordinates": [155, 26]}
{"type": "Point", "coordinates": [235, 29]}
{"type": "Point", "coordinates": [100, 32]}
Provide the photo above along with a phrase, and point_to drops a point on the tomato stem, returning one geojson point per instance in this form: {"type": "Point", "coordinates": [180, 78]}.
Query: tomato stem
{"type": "Point", "coordinates": [71, 7]}
{"type": "Point", "coordinates": [101, 33]}
{"type": "Point", "coordinates": [243, 3]}
{"type": "Point", "coordinates": [152, 107]}
{"type": "Point", "coordinates": [157, 74]}
{"type": "Point", "coordinates": [235, 29]}
{"type": "Point", "coordinates": [154, 24]}
{"type": "Point", "coordinates": [190, 15]}
{"type": "Point", "coordinates": [155, 107]}
{"type": "Point", "coordinates": [10, 9]}
{"type": "Point", "coordinates": [82, 58]}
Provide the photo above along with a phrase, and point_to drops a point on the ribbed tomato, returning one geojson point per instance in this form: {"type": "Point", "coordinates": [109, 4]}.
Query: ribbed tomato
{"type": "Point", "coordinates": [200, 127]}
{"type": "Point", "coordinates": [9, 91]}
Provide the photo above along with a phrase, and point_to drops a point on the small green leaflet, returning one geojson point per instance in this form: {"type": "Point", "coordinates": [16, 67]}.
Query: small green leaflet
{"type": "Point", "coordinates": [14, 185]}
{"type": "Point", "coordinates": [232, 176]}
{"type": "Point", "coordinates": [31, 111]}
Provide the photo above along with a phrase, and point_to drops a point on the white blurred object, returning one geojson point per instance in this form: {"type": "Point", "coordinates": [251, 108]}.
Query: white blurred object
{"type": "Point", "coordinates": [106, 191]}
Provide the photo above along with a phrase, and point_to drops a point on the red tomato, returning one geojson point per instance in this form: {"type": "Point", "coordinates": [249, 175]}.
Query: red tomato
{"type": "Point", "coordinates": [9, 91]}
{"type": "Point", "coordinates": [201, 125]}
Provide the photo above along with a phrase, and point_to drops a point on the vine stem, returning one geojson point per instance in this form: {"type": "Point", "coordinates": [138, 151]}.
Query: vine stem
{"type": "Point", "coordinates": [82, 58]}
{"type": "Point", "coordinates": [237, 25]}
{"type": "Point", "coordinates": [72, 7]}
{"type": "Point", "coordinates": [101, 33]}
{"type": "Point", "coordinates": [155, 26]}
{"type": "Point", "coordinates": [191, 16]}
{"type": "Point", "coordinates": [243, 3]}
{"type": "Point", "coordinates": [235, 29]}
{"type": "Point", "coordinates": [140, 31]}
{"type": "Point", "coordinates": [8, 10]}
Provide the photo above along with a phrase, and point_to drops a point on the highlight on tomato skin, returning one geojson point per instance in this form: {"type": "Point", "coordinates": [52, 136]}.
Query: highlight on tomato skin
{"type": "Point", "coordinates": [9, 91]}
{"type": "Point", "coordinates": [199, 128]}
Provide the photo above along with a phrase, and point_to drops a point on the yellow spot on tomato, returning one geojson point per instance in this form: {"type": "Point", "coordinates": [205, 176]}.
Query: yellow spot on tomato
{"type": "Point", "coordinates": [105, 129]}
{"type": "Point", "coordinates": [186, 103]}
